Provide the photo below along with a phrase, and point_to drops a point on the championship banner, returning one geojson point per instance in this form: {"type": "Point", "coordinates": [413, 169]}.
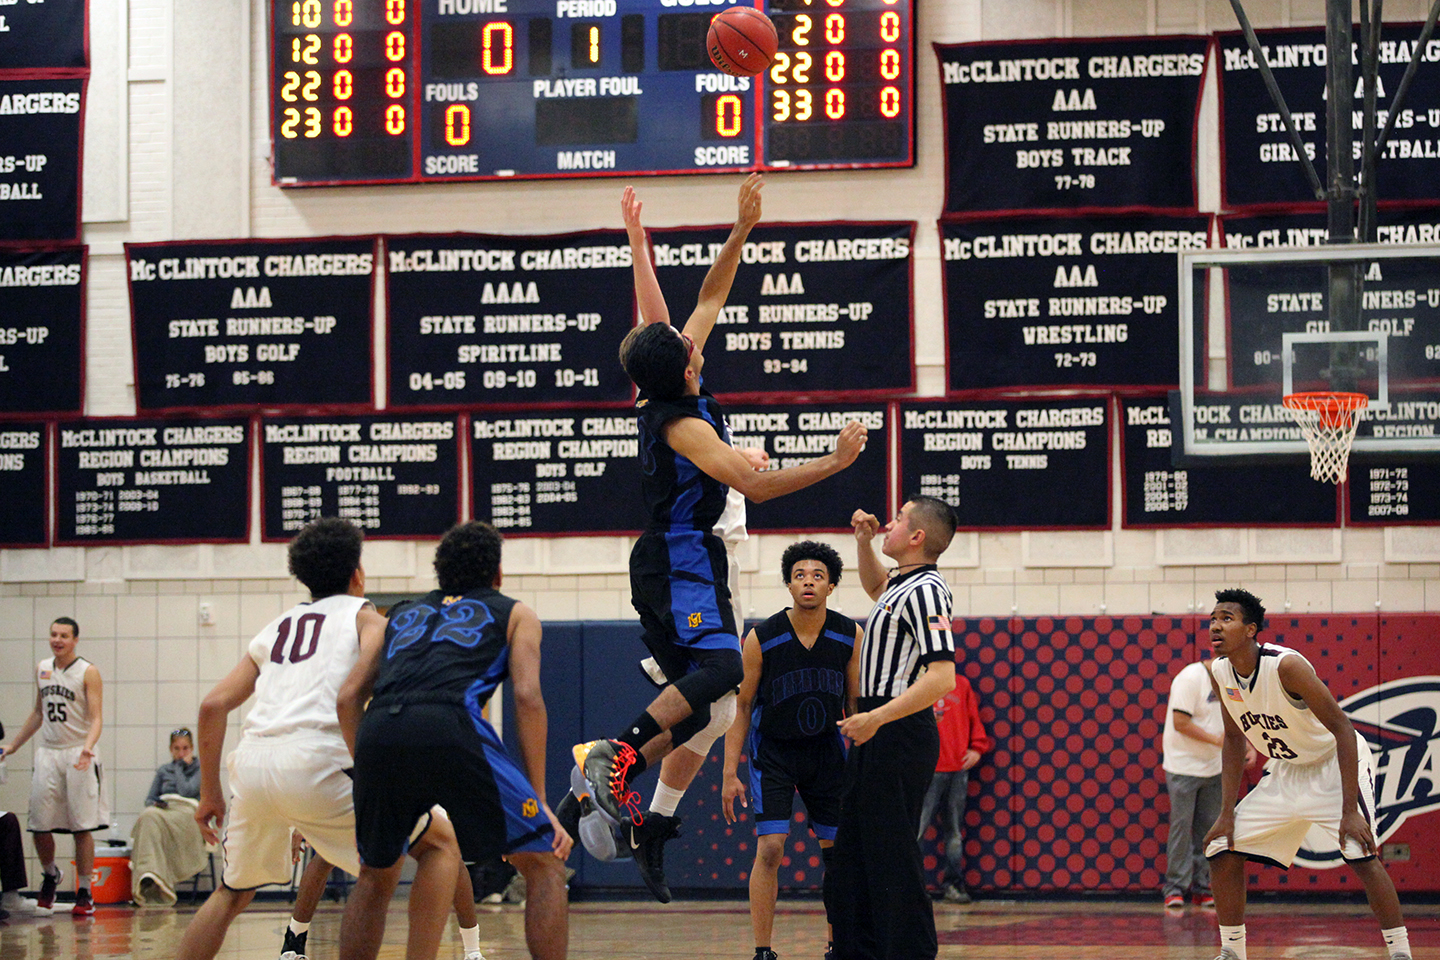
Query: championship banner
{"type": "Point", "coordinates": [24, 509]}
{"type": "Point", "coordinates": [1070, 125]}
{"type": "Point", "coordinates": [821, 309]}
{"type": "Point", "coordinates": [152, 481]}
{"type": "Point", "coordinates": [480, 319]}
{"type": "Point", "coordinates": [572, 471]}
{"type": "Point", "coordinates": [793, 434]}
{"type": "Point", "coordinates": [41, 128]}
{"type": "Point", "coordinates": [1011, 465]}
{"type": "Point", "coordinates": [49, 35]}
{"type": "Point", "coordinates": [1260, 164]}
{"type": "Point", "coordinates": [1400, 298]}
{"type": "Point", "coordinates": [252, 323]}
{"type": "Point", "coordinates": [1216, 493]}
{"type": "Point", "coordinates": [1036, 304]}
{"type": "Point", "coordinates": [42, 329]}
{"type": "Point", "coordinates": [1397, 488]}
{"type": "Point", "coordinates": [391, 476]}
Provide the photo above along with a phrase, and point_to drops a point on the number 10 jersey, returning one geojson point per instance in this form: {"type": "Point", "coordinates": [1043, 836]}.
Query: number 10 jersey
{"type": "Point", "coordinates": [304, 655]}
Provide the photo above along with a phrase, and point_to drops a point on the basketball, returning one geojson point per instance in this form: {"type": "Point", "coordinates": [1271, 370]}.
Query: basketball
{"type": "Point", "coordinates": [741, 41]}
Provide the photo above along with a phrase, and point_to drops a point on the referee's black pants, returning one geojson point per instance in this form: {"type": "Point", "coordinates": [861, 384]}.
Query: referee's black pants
{"type": "Point", "coordinates": [880, 909]}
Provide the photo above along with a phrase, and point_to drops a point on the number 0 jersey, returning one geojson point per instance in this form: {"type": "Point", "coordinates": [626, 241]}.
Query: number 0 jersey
{"type": "Point", "coordinates": [304, 655]}
{"type": "Point", "coordinates": [802, 690]}
{"type": "Point", "coordinates": [64, 708]}
{"type": "Point", "coordinates": [1276, 724]}
{"type": "Point", "coordinates": [446, 648]}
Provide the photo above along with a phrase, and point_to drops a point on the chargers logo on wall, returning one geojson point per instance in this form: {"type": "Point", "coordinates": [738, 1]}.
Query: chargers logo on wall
{"type": "Point", "coordinates": [1401, 722]}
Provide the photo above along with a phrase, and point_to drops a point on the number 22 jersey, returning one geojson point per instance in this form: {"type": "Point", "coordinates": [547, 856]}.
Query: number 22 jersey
{"type": "Point", "coordinates": [1276, 724]}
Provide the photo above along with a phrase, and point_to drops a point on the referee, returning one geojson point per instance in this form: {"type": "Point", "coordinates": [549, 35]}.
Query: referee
{"type": "Point", "coordinates": [907, 663]}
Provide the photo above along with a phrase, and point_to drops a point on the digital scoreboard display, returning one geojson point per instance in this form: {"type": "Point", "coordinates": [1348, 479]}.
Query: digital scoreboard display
{"type": "Point", "coordinates": [391, 91]}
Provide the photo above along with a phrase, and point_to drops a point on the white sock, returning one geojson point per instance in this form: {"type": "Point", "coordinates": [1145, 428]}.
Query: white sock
{"type": "Point", "coordinates": [1397, 941]}
{"type": "Point", "coordinates": [470, 939]}
{"type": "Point", "coordinates": [297, 928]}
{"type": "Point", "coordinates": [666, 799]}
{"type": "Point", "coordinates": [53, 870]}
{"type": "Point", "coordinates": [1233, 939]}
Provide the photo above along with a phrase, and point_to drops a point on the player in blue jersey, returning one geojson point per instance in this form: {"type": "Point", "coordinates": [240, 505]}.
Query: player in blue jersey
{"type": "Point", "coordinates": [802, 675]}
{"type": "Point", "coordinates": [678, 567]}
{"type": "Point", "coordinates": [423, 741]}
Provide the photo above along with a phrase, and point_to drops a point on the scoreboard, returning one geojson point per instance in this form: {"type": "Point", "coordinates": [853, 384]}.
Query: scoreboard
{"type": "Point", "coordinates": [393, 91]}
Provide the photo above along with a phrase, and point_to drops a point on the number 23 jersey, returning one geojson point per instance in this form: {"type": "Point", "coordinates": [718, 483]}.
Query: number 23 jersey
{"type": "Point", "coordinates": [304, 655]}
{"type": "Point", "coordinates": [1276, 724]}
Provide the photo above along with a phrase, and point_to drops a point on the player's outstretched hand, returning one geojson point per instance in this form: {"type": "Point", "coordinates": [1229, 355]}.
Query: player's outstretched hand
{"type": "Point", "coordinates": [1224, 827]}
{"type": "Point", "coordinates": [209, 814]}
{"type": "Point", "coordinates": [630, 209]}
{"type": "Point", "coordinates": [734, 790]}
{"type": "Point", "coordinates": [1353, 827]}
{"type": "Point", "coordinates": [561, 843]}
{"type": "Point", "coordinates": [750, 201]}
{"type": "Point", "coordinates": [866, 525]}
{"type": "Point", "coordinates": [851, 442]}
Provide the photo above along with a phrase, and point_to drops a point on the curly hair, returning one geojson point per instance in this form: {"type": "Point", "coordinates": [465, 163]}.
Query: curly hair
{"type": "Point", "coordinates": [325, 554]}
{"type": "Point", "coordinates": [468, 557]}
{"type": "Point", "coordinates": [811, 550]}
{"type": "Point", "coordinates": [655, 357]}
{"type": "Point", "coordinates": [1251, 609]}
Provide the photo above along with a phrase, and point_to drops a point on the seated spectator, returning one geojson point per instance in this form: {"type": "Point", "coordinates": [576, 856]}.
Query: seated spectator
{"type": "Point", "coordinates": [166, 848]}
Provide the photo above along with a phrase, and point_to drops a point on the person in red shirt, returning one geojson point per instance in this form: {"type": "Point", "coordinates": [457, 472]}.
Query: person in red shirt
{"type": "Point", "coordinates": [962, 741]}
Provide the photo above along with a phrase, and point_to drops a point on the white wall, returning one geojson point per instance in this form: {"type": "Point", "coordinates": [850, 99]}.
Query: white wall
{"type": "Point", "coordinates": [177, 147]}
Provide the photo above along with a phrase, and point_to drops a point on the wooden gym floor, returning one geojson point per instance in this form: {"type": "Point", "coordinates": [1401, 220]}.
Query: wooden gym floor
{"type": "Point", "coordinates": [706, 929]}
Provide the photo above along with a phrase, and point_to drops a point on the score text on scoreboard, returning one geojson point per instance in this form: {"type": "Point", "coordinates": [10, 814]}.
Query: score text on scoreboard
{"type": "Point", "coordinates": [385, 91]}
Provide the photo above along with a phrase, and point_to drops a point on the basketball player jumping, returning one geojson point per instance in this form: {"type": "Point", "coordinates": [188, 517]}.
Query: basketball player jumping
{"type": "Point", "coordinates": [678, 567]}
{"type": "Point", "coordinates": [1320, 773]}
{"type": "Point", "coordinates": [291, 769]}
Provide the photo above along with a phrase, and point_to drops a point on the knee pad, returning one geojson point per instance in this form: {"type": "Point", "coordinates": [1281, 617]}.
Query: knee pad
{"type": "Point", "coordinates": [719, 672]}
{"type": "Point", "coordinates": [722, 715]}
{"type": "Point", "coordinates": [691, 727]}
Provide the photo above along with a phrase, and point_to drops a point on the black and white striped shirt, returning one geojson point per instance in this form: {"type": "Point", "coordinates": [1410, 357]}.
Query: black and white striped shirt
{"type": "Point", "coordinates": [909, 627]}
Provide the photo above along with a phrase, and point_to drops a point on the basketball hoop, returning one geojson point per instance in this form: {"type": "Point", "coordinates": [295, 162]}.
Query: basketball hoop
{"type": "Point", "coordinates": [1328, 421]}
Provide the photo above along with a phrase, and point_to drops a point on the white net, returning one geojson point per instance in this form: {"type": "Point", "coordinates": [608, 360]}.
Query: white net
{"type": "Point", "coordinates": [1328, 421]}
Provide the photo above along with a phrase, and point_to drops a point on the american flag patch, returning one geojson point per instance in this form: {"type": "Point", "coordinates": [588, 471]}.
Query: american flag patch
{"type": "Point", "coordinates": [938, 622]}
{"type": "Point", "coordinates": [1234, 694]}
{"type": "Point", "coordinates": [44, 674]}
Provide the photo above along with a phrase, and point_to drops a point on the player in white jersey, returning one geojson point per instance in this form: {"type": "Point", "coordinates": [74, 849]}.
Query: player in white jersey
{"type": "Point", "coordinates": [67, 792]}
{"type": "Point", "coordinates": [291, 769]}
{"type": "Point", "coordinates": [1319, 775]}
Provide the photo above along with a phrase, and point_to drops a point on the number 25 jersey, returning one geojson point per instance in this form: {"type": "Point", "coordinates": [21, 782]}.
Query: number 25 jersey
{"type": "Point", "coordinates": [1276, 724]}
{"type": "Point", "coordinates": [304, 655]}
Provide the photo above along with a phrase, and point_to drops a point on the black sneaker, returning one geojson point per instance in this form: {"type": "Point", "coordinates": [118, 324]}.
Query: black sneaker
{"type": "Point", "coordinates": [294, 946]}
{"type": "Point", "coordinates": [647, 844]}
{"type": "Point", "coordinates": [84, 906]}
{"type": "Point", "coordinates": [766, 954]}
{"type": "Point", "coordinates": [568, 813]}
{"type": "Point", "coordinates": [45, 902]}
{"type": "Point", "coordinates": [606, 765]}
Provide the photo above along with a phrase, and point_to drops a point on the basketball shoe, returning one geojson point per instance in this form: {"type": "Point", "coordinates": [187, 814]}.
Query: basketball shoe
{"type": "Point", "coordinates": [294, 946]}
{"type": "Point", "coordinates": [1174, 902]}
{"type": "Point", "coordinates": [45, 901]}
{"type": "Point", "coordinates": [84, 905]}
{"type": "Point", "coordinates": [647, 844]}
{"type": "Point", "coordinates": [606, 765]}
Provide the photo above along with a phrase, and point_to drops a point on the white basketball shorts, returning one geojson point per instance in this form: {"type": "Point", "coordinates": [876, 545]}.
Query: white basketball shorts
{"type": "Point", "coordinates": [63, 799]}
{"type": "Point", "coordinates": [1272, 820]}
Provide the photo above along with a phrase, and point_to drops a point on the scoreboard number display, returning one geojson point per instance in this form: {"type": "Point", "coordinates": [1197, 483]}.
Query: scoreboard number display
{"type": "Point", "coordinates": [389, 91]}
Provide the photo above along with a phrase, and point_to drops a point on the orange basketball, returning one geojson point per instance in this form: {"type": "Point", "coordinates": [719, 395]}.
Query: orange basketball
{"type": "Point", "coordinates": [741, 41]}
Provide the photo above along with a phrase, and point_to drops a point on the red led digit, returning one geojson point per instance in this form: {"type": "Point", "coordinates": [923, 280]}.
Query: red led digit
{"type": "Point", "coordinates": [394, 46]}
{"type": "Point", "coordinates": [344, 12]}
{"type": "Point", "coordinates": [834, 66]}
{"type": "Point", "coordinates": [395, 83]}
{"type": "Point", "coordinates": [890, 26]}
{"type": "Point", "coordinates": [835, 103]}
{"type": "Point", "coordinates": [728, 114]}
{"type": "Point", "coordinates": [344, 48]}
{"type": "Point", "coordinates": [834, 28]}
{"type": "Point", "coordinates": [497, 48]}
{"type": "Point", "coordinates": [890, 64]}
{"type": "Point", "coordinates": [394, 12]}
{"type": "Point", "coordinates": [890, 102]}
{"type": "Point", "coordinates": [457, 125]}
{"type": "Point", "coordinates": [394, 119]}
{"type": "Point", "coordinates": [344, 122]}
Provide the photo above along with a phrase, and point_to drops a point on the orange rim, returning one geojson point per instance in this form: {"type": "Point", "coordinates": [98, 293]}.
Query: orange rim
{"type": "Point", "coordinates": [1334, 407]}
